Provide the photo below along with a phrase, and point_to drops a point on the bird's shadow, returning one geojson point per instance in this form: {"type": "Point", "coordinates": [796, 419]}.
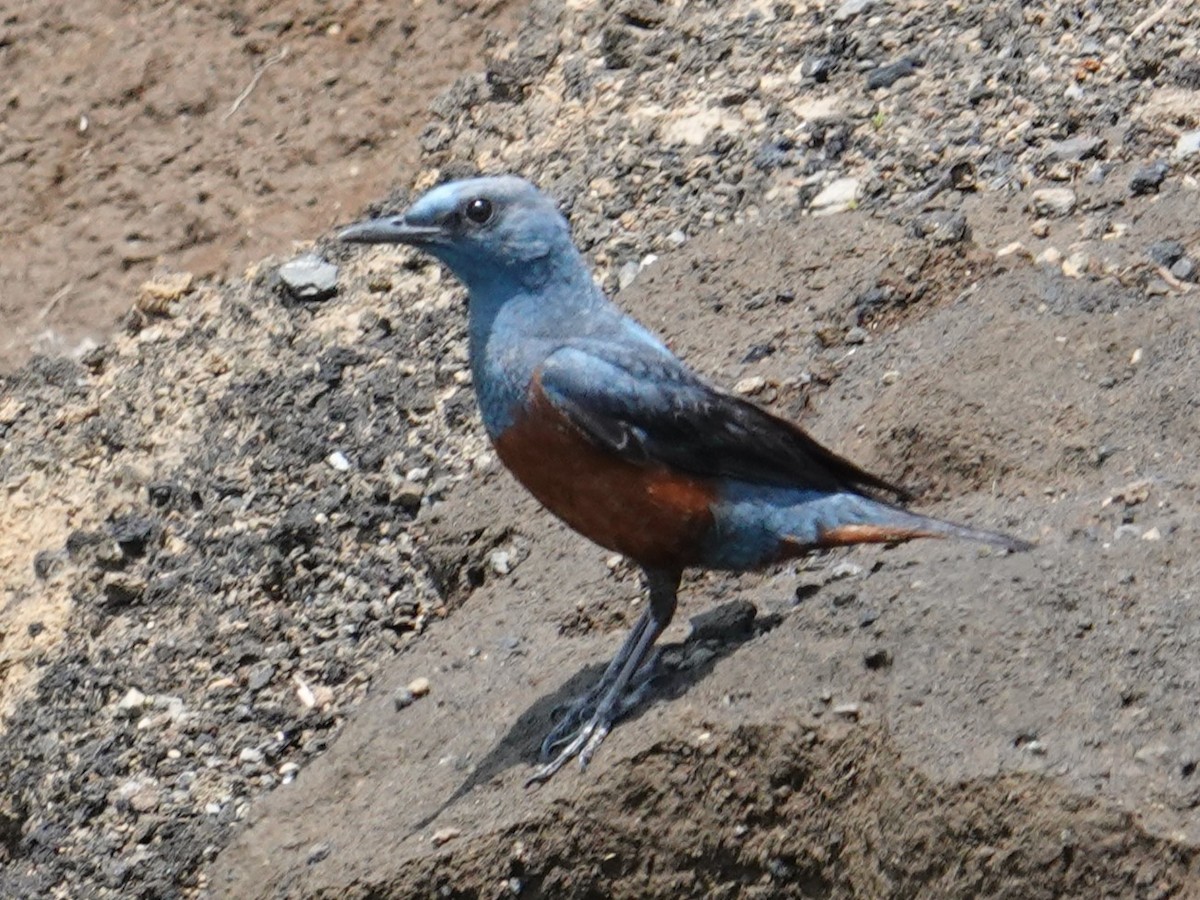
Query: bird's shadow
{"type": "Point", "coordinates": [715, 634]}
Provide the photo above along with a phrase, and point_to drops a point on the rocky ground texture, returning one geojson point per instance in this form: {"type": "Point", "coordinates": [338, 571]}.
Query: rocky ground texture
{"type": "Point", "coordinates": [277, 624]}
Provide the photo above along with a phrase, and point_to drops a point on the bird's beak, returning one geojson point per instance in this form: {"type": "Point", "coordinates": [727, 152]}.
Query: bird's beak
{"type": "Point", "coordinates": [390, 230]}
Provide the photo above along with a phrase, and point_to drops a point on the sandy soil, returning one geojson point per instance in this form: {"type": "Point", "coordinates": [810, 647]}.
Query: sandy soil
{"type": "Point", "coordinates": [200, 138]}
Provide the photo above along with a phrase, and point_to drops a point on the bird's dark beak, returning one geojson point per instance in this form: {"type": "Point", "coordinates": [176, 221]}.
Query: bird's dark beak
{"type": "Point", "coordinates": [390, 230]}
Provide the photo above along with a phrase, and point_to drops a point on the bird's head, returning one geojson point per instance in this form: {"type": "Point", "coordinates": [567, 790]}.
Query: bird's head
{"type": "Point", "coordinates": [488, 231]}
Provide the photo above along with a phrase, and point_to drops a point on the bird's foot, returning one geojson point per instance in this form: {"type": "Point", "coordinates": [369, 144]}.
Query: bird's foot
{"type": "Point", "coordinates": [598, 710]}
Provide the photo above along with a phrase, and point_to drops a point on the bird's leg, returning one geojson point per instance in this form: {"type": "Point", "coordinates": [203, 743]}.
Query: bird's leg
{"type": "Point", "coordinates": [619, 689]}
{"type": "Point", "coordinates": [579, 708]}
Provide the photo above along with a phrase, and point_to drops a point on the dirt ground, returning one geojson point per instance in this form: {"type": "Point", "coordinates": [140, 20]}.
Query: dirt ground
{"type": "Point", "coordinates": [235, 533]}
{"type": "Point", "coordinates": [200, 138]}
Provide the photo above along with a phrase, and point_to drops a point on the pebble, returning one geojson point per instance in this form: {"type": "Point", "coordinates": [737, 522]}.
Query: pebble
{"type": "Point", "coordinates": [1153, 754]}
{"type": "Point", "coordinates": [845, 570]}
{"type": "Point", "coordinates": [309, 277]}
{"type": "Point", "coordinates": [260, 676]}
{"type": "Point", "coordinates": [403, 698]}
{"type": "Point", "coordinates": [337, 459]}
{"type": "Point", "coordinates": [500, 562]}
{"type": "Point", "coordinates": [1187, 145]}
{"type": "Point", "coordinates": [408, 496]}
{"type": "Point", "coordinates": [943, 227]}
{"type": "Point", "coordinates": [877, 659]}
{"type": "Point", "coordinates": [1184, 269]}
{"type": "Point", "coordinates": [1075, 265]}
{"type": "Point", "coordinates": [750, 386]}
{"type": "Point", "coordinates": [419, 686]}
{"type": "Point", "coordinates": [1056, 201]}
{"type": "Point", "coordinates": [628, 274]}
{"type": "Point", "coordinates": [1076, 149]}
{"type": "Point", "coordinates": [250, 755]}
{"type": "Point", "coordinates": [132, 703]}
{"type": "Point", "coordinates": [851, 8]}
{"type": "Point", "coordinates": [317, 852]}
{"type": "Point", "coordinates": [1166, 252]}
{"type": "Point", "coordinates": [837, 196]}
{"type": "Point", "coordinates": [444, 835]}
{"type": "Point", "coordinates": [856, 335]}
{"type": "Point", "coordinates": [886, 76]}
{"type": "Point", "coordinates": [847, 710]}
{"type": "Point", "coordinates": [1147, 178]}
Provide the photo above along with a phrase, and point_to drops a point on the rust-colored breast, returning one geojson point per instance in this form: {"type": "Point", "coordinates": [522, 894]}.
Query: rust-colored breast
{"type": "Point", "coordinates": [651, 514]}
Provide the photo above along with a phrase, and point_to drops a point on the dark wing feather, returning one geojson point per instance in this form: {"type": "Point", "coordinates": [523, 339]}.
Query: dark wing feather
{"type": "Point", "coordinates": [647, 408]}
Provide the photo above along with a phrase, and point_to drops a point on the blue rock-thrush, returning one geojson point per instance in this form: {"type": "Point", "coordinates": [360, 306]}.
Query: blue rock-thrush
{"type": "Point", "coordinates": [618, 438]}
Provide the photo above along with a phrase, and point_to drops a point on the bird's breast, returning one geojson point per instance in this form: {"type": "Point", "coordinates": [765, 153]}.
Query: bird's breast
{"type": "Point", "coordinates": [655, 516]}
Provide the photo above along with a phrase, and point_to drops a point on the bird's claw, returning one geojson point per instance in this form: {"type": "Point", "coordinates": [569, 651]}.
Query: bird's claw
{"type": "Point", "coordinates": [584, 740]}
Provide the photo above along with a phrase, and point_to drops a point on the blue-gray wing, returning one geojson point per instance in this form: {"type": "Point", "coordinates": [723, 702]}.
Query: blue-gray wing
{"type": "Point", "coordinates": [649, 409]}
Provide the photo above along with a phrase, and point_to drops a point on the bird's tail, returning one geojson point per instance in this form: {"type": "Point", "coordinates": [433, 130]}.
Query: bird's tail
{"type": "Point", "coordinates": [870, 521]}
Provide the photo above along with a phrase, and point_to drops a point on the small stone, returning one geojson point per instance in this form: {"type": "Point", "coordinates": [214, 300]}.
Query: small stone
{"type": "Point", "coordinates": [409, 495]}
{"type": "Point", "coordinates": [1075, 265]}
{"type": "Point", "coordinates": [943, 227]}
{"type": "Point", "coordinates": [847, 711]}
{"type": "Point", "coordinates": [676, 238]}
{"type": "Point", "coordinates": [891, 376]}
{"type": "Point", "coordinates": [628, 274]}
{"type": "Point", "coordinates": [250, 755]}
{"type": "Point", "coordinates": [750, 386]}
{"type": "Point", "coordinates": [1152, 534]}
{"type": "Point", "coordinates": [145, 800]}
{"type": "Point", "coordinates": [1051, 256]}
{"type": "Point", "coordinates": [1153, 754]}
{"type": "Point", "coordinates": [500, 561]}
{"type": "Point", "coordinates": [1166, 253]}
{"type": "Point", "coordinates": [878, 659]}
{"type": "Point", "coordinates": [818, 68]}
{"type": "Point", "coordinates": [1039, 228]}
{"type": "Point", "coordinates": [1184, 269]}
{"type": "Point", "coordinates": [260, 676]}
{"type": "Point", "coordinates": [309, 277]}
{"type": "Point", "coordinates": [317, 852]}
{"type": "Point", "coordinates": [856, 335]}
{"type": "Point", "coordinates": [1147, 179]}
{"type": "Point", "coordinates": [845, 570]}
{"type": "Point", "coordinates": [132, 703]}
{"type": "Point", "coordinates": [444, 835]}
{"type": "Point", "coordinates": [851, 8]}
{"type": "Point", "coordinates": [1076, 149]}
{"type": "Point", "coordinates": [1187, 145]}
{"type": "Point", "coordinates": [1058, 201]}
{"type": "Point", "coordinates": [887, 75]}
{"type": "Point", "coordinates": [403, 698]}
{"type": "Point", "coordinates": [337, 459]}
{"type": "Point", "coordinates": [419, 686]}
{"type": "Point", "coordinates": [837, 196]}
{"type": "Point", "coordinates": [288, 772]}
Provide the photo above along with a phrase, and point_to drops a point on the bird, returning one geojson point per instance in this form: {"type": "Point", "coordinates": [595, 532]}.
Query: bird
{"type": "Point", "coordinates": [615, 435]}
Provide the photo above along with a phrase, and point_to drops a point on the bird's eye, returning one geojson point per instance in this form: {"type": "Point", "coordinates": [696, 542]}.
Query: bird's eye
{"type": "Point", "coordinates": [479, 210]}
